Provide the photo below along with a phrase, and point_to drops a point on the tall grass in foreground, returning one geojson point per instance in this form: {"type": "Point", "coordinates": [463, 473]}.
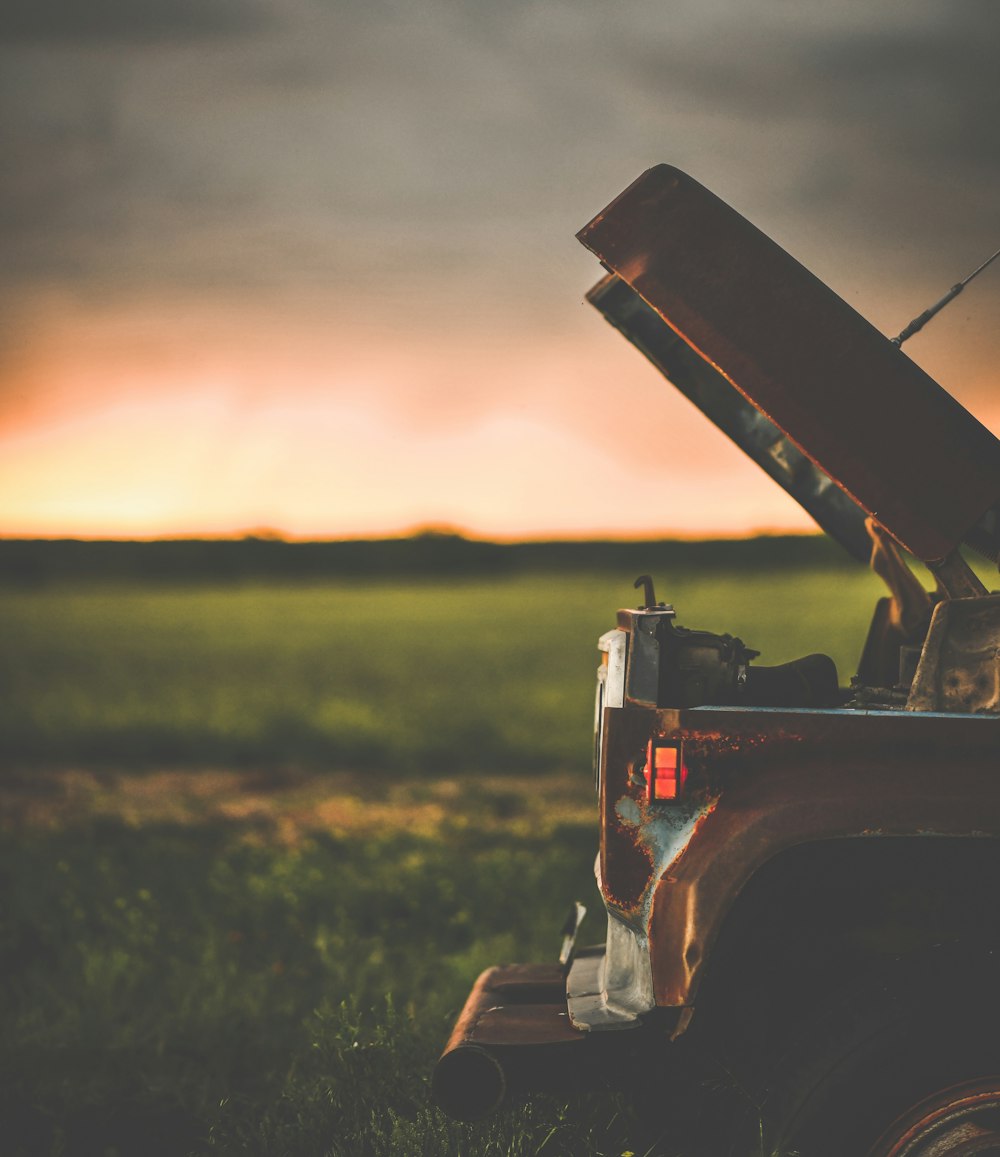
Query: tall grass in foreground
{"type": "Point", "coordinates": [430, 676]}
{"type": "Point", "coordinates": [265, 986]}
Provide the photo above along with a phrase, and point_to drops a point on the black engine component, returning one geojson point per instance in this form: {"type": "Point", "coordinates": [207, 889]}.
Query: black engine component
{"type": "Point", "coordinates": [672, 666]}
{"type": "Point", "coordinates": [807, 682]}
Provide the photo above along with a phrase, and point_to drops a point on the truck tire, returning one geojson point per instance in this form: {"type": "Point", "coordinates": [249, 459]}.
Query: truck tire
{"type": "Point", "coordinates": [907, 1065]}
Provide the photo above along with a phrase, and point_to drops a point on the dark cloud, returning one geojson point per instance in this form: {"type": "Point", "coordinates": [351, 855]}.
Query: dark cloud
{"type": "Point", "coordinates": [387, 144]}
{"type": "Point", "coordinates": [66, 21]}
{"type": "Point", "coordinates": [908, 93]}
{"type": "Point", "coordinates": [931, 95]}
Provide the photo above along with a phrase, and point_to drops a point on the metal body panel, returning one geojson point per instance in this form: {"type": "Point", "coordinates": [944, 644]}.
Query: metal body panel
{"type": "Point", "coordinates": [832, 508]}
{"type": "Point", "coordinates": [959, 669]}
{"type": "Point", "coordinates": [899, 444]}
{"type": "Point", "coordinates": [764, 780]}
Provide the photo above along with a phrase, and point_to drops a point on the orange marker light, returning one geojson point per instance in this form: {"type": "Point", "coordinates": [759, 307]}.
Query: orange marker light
{"type": "Point", "coordinates": [665, 771]}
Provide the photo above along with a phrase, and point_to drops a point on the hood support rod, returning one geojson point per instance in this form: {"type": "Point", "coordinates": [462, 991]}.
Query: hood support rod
{"type": "Point", "coordinates": [918, 323]}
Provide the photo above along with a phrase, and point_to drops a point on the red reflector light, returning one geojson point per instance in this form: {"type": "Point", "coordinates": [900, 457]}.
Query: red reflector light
{"type": "Point", "coordinates": [665, 771]}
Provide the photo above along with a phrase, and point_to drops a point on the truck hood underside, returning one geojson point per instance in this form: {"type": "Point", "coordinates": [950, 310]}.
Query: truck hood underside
{"type": "Point", "coordinates": [828, 406]}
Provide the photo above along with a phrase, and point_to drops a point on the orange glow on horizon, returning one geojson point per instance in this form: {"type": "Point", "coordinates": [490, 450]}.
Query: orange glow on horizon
{"type": "Point", "coordinates": [340, 434]}
{"type": "Point", "coordinates": [158, 468]}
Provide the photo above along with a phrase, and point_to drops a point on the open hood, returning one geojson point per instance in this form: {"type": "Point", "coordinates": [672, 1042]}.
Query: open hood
{"type": "Point", "coordinates": [828, 406]}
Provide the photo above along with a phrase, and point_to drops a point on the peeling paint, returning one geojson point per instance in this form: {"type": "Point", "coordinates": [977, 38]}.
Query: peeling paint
{"type": "Point", "coordinates": [667, 836]}
{"type": "Point", "coordinates": [628, 811]}
{"type": "Point", "coordinates": [664, 833]}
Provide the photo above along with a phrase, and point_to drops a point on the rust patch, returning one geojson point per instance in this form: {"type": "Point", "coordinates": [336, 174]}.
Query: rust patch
{"type": "Point", "coordinates": [626, 864]}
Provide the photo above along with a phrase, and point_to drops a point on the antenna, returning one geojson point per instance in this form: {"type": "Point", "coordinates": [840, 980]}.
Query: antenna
{"type": "Point", "coordinates": [918, 323]}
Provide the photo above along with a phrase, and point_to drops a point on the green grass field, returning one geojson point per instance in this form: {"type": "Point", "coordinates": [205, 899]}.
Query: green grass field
{"type": "Point", "coordinates": [428, 677]}
{"type": "Point", "coordinates": [210, 962]}
{"type": "Point", "coordinates": [258, 842]}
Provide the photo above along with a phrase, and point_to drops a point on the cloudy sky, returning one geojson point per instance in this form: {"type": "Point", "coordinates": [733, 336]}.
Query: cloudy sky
{"type": "Point", "coordinates": [310, 264]}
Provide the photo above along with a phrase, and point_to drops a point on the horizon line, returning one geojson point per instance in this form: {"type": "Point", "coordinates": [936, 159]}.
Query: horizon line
{"type": "Point", "coordinates": [269, 534]}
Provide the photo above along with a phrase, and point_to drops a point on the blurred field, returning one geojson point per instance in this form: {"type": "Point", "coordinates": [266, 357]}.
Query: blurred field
{"type": "Point", "coordinates": [349, 800]}
{"type": "Point", "coordinates": [426, 676]}
{"type": "Point", "coordinates": [211, 962]}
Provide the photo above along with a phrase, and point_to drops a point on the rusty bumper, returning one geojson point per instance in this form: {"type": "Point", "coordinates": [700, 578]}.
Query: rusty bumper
{"type": "Point", "coordinates": [515, 1035]}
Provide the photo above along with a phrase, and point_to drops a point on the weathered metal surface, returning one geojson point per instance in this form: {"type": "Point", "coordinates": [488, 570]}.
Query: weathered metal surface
{"type": "Point", "coordinates": [956, 579]}
{"type": "Point", "coordinates": [833, 509]}
{"type": "Point", "coordinates": [608, 990]}
{"type": "Point", "coordinates": [762, 780]}
{"type": "Point", "coordinates": [959, 667]}
{"type": "Point", "coordinates": [900, 445]}
{"type": "Point", "coordinates": [625, 864]}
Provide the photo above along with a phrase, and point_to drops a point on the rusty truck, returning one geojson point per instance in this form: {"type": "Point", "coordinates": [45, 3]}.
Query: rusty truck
{"type": "Point", "coordinates": [801, 871]}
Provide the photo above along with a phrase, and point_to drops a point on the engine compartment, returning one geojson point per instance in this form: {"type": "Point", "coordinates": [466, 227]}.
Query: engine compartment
{"type": "Point", "coordinates": [925, 650]}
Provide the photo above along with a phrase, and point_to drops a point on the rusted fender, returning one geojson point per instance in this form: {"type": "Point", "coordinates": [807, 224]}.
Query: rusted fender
{"type": "Point", "coordinates": [761, 781]}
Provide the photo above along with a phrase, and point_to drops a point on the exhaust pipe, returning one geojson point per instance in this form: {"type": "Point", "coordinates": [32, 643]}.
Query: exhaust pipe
{"type": "Point", "coordinates": [469, 1083]}
{"type": "Point", "coordinates": [513, 1033]}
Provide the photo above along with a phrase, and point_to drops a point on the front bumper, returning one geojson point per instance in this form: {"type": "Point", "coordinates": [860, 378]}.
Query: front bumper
{"type": "Point", "coordinates": [513, 1033]}
{"type": "Point", "coordinates": [543, 1027]}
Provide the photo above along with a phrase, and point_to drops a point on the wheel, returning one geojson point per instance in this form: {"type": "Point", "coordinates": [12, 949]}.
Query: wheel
{"type": "Point", "coordinates": [964, 1119]}
{"type": "Point", "coordinates": [906, 1066]}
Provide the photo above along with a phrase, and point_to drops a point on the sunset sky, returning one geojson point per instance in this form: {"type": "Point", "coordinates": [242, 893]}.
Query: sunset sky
{"type": "Point", "coordinates": [310, 264]}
